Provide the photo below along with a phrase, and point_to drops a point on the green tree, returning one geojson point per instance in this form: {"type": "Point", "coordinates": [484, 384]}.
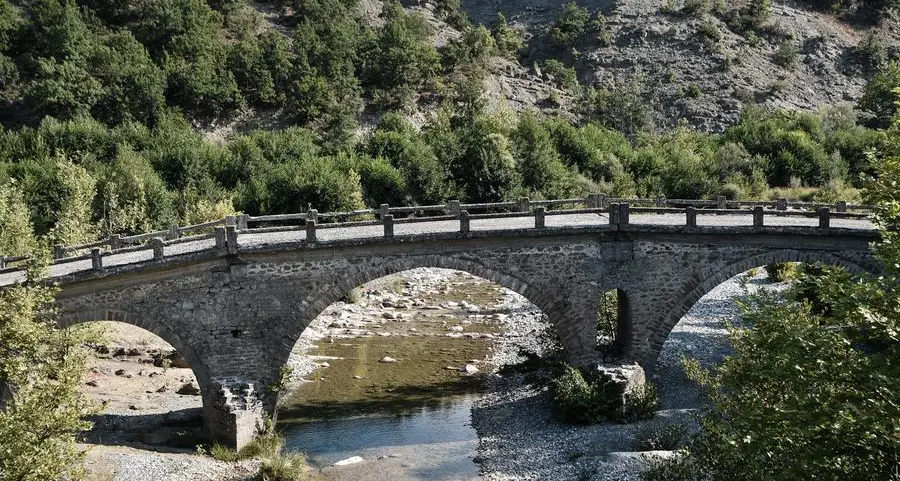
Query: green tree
{"type": "Point", "coordinates": [811, 389]}
{"type": "Point", "coordinates": [543, 173]}
{"type": "Point", "coordinates": [16, 231]}
{"type": "Point", "coordinates": [41, 410]}
{"type": "Point", "coordinates": [571, 21]}
{"type": "Point", "coordinates": [509, 40]}
{"type": "Point", "coordinates": [878, 95]}
{"type": "Point", "coordinates": [401, 60]}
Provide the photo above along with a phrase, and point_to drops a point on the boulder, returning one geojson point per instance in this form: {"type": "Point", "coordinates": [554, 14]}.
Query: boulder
{"type": "Point", "coordinates": [189, 389]}
{"type": "Point", "coordinates": [387, 360]}
{"type": "Point", "coordinates": [626, 380]}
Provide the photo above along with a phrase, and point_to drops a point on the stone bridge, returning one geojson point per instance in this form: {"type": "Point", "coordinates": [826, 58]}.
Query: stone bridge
{"type": "Point", "coordinates": [235, 302]}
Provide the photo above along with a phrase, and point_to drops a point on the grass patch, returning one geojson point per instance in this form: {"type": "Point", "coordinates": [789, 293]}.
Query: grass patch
{"type": "Point", "coordinates": [667, 438]}
{"type": "Point", "coordinates": [283, 467]}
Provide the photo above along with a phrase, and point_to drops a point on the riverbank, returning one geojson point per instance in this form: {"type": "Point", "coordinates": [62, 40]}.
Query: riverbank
{"type": "Point", "coordinates": [515, 434]}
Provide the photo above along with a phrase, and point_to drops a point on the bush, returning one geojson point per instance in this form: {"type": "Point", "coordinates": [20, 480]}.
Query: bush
{"type": "Point", "coordinates": [695, 7]}
{"type": "Point", "coordinates": [570, 24]}
{"type": "Point", "coordinates": [283, 467]}
{"type": "Point", "coordinates": [509, 40]}
{"type": "Point", "coordinates": [786, 54]}
{"type": "Point", "coordinates": [578, 400]}
{"type": "Point", "coordinates": [666, 438]}
{"type": "Point", "coordinates": [563, 76]}
{"type": "Point", "coordinates": [878, 95]}
{"type": "Point", "coordinates": [782, 271]}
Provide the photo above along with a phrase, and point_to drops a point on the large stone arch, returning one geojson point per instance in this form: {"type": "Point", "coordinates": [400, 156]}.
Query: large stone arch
{"type": "Point", "coordinates": [708, 279]}
{"type": "Point", "coordinates": [157, 328]}
{"type": "Point", "coordinates": [551, 306]}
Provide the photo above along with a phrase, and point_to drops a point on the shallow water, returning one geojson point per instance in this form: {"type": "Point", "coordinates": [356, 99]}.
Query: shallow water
{"type": "Point", "coordinates": [409, 419]}
{"type": "Point", "coordinates": [431, 442]}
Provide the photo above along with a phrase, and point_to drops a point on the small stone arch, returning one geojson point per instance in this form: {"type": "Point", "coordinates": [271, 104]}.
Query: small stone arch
{"type": "Point", "coordinates": [370, 273]}
{"type": "Point", "coordinates": [200, 369]}
{"type": "Point", "coordinates": [709, 280]}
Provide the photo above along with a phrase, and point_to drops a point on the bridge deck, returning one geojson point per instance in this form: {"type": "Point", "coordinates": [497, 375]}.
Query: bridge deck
{"type": "Point", "coordinates": [325, 234]}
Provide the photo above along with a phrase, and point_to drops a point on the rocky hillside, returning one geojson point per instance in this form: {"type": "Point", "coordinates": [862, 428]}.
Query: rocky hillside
{"type": "Point", "coordinates": [700, 67]}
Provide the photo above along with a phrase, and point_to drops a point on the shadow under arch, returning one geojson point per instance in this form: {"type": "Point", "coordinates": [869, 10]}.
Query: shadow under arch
{"type": "Point", "coordinates": [370, 273]}
{"type": "Point", "coordinates": [200, 370]}
{"type": "Point", "coordinates": [710, 281]}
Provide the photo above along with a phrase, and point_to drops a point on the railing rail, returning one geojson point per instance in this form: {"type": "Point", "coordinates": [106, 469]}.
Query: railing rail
{"type": "Point", "coordinates": [617, 210]}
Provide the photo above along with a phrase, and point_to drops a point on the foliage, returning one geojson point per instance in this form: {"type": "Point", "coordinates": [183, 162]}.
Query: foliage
{"type": "Point", "coordinates": [667, 438]}
{"type": "Point", "coordinates": [283, 467]}
{"type": "Point", "coordinates": [782, 271]}
{"type": "Point", "coordinates": [508, 40]}
{"type": "Point", "coordinates": [570, 23]}
{"type": "Point", "coordinates": [562, 76]}
{"type": "Point", "coordinates": [810, 392]}
{"type": "Point", "coordinates": [878, 95]}
{"type": "Point", "coordinates": [579, 400]}
{"type": "Point", "coordinates": [40, 370]}
{"type": "Point", "coordinates": [624, 109]}
{"type": "Point", "coordinates": [786, 54]}
{"type": "Point", "coordinates": [16, 231]}
{"type": "Point", "coordinates": [608, 318]}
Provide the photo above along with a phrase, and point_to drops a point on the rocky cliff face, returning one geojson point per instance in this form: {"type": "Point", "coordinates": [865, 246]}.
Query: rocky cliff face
{"type": "Point", "coordinates": [697, 67]}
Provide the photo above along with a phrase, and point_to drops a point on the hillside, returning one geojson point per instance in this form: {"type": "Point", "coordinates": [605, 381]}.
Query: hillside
{"type": "Point", "coordinates": [128, 116]}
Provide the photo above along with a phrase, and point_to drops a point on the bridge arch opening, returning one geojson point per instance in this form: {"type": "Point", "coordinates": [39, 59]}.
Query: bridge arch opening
{"type": "Point", "coordinates": [613, 322]}
{"type": "Point", "coordinates": [397, 361]}
{"type": "Point", "coordinates": [146, 389]}
{"type": "Point", "coordinates": [697, 328]}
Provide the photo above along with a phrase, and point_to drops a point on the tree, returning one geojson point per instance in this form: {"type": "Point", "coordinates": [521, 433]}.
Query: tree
{"type": "Point", "coordinates": [509, 40]}
{"type": "Point", "coordinates": [16, 231]}
{"type": "Point", "coordinates": [878, 95]}
{"type": "Point", "coordinates": [41, 410]}
{"type": "Point", "coordinates": [811, 389]}
{"type": "Point", "coordinates": [571, 21]}
{"type": "Point", "coordinates": [542, 170]}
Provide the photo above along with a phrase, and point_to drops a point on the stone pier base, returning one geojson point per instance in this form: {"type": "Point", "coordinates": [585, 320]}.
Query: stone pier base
{"type": "Point", "coordinates": [235, 413]}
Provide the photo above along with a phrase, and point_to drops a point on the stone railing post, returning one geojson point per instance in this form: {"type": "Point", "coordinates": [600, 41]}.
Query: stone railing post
{"type": "Point", "coordinates": [231, 239]}
{"type": "Point", "coordinates": [781, 204]}
{"type": "Point", "coordinates": [453, 207]}
{"type": "Point", "coordinates": [690, 214]}
{"type": "Point", "coordinates": [624, 213]}
{"type": "Point", "coordinates": [824, 217]}
{"type": "Point", "coordinates": [310, 230]}
{"type": "Point", "coordinates": [464, 222]}
{"type": "Point", "coordinates": [312, 214]}
{"type": "Point", "coordinates": [661, 201]}
{"type": "Point", "coordinates": [242, 221]}
{"type": "Point", "coordinates": [758, 216]}
{"type": "Point", "coordinates": [591, 202]}
{"type": "Point", "coordinates": [601, 200]}
{"type": "Point", "coordinates": [2, 262]}
{"type": "Point", "coordinates": [539, 221]}
{"type": "Point", "coordinates": [840, 206]}
{"type": "Point", "coordinates": [157, 244]}
{"type": "Point", "coordinates": [523, 204]}
{"type": "Point", "coordinates": [230, 220]}
{"type": "Point", "coordinates": [96, 259]}
{"type": "Point", "coordinates": [221, 242]}
{"type": "Point", "coordinates": [59, 251]}
{"type": "Point", "coordinates": [383, 210]}
{"type": "Point", "coordinates": [115, 242]}
{"type": "Point", "coordinates": [613, 214]}
{"type": "Point", "coordinates": [173, 232]}
{"type": "Point", "coordinates": [388, 221]}
{"type": "Point", "coordinates": [721, 202]}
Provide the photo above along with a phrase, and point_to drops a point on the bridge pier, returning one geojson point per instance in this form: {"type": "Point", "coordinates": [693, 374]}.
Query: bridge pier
{"type": "Point", "coordinates": [236, 412]}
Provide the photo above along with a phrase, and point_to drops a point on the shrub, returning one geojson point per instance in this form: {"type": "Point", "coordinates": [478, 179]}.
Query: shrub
{"type": "Point", "coordinates": [570, 24]}
{"type": "Point", "coordinates": [782, 271]}
{"type": "Point", "coordinates": [731, 191]}
{"type": "Point", "coordinates": [641, 405]}
{"type": "Point", "coordinates": [563, 76]}
{"type": "Point", "coordinates": [223, 453]}
{"type": "Point", "coordinates": [878, 95]}
{"type": "Point", "coordinates": [786, 54]}
{"type": "Point", "coordinates": [695, 7]}
{"type": "Point", "coordinates": [509, 40]}
{"type": "Point", "coordinates": [666, 438]}
{"type": "Point", "coordinates": [693, 91]}
{"type": "Point", "coordinates": [579, 400]}
{"type": "Point", "coordinates": [283, 467]}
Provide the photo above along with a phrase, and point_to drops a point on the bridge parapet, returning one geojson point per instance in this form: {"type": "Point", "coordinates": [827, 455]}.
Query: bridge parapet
{"type": "Point", "coordinates": [224, 232]}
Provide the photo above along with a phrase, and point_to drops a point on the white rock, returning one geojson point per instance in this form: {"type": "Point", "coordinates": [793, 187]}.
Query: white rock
{"type": "Point", "coordinates": [387, 359]}
{"type": "Point", "coordinates": [353, 460]}
{"type": "Point", "coordinates": [456, 328]}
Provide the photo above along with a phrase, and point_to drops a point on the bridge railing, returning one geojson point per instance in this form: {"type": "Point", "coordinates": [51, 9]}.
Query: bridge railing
{"type": "Point", "coordinates": [222, 234]}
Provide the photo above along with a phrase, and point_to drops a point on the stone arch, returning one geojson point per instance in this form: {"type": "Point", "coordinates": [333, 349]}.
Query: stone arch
{"type": "Point", "coordinates": [708, 280]}
{"type": "Point", "coordinates": [159, 329]}
{"type": "Point", "coordinates": [368, 273]}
